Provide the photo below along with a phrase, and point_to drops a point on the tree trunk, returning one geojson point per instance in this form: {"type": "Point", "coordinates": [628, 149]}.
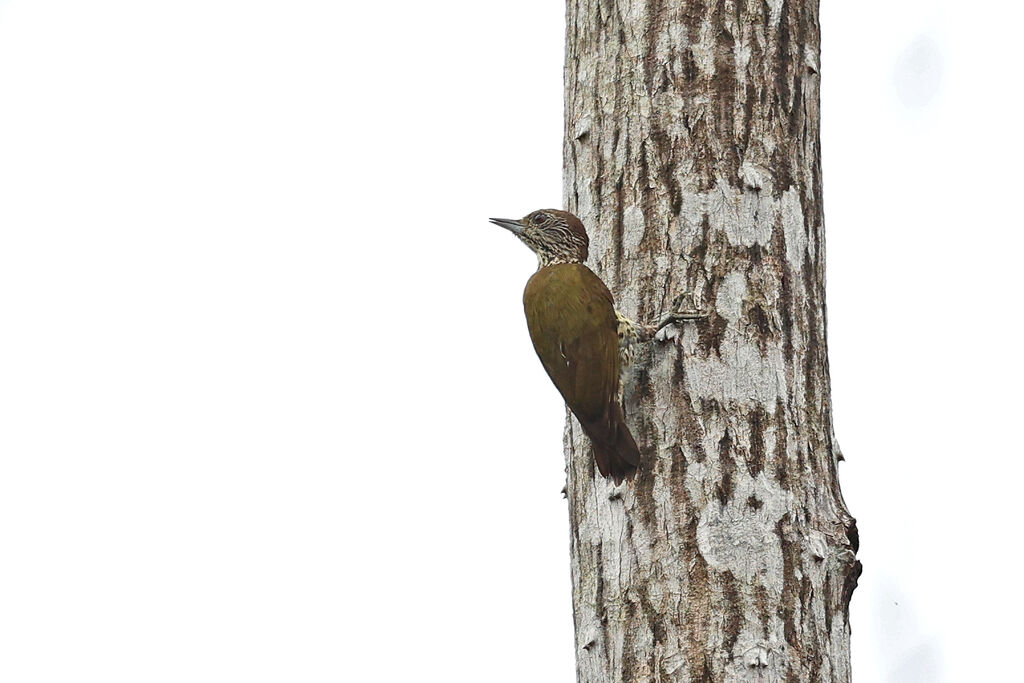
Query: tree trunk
{"type": "Point", "coordinates": [692, 155]}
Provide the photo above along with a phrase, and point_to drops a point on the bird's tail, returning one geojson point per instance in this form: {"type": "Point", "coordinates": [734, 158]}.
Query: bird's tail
{"type": "Point", "coordinates": [615, 451]}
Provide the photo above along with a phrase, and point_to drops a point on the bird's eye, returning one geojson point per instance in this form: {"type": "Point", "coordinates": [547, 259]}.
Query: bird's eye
{"type": "Point", "coordinates": [540, 218]}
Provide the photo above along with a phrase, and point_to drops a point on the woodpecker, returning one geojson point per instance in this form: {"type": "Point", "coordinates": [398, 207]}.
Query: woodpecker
{"type": "Point", "coordinates": [584, 343]}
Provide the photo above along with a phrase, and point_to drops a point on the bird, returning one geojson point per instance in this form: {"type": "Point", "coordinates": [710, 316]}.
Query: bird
{"type": "Point", "coordinates": [583, 342]}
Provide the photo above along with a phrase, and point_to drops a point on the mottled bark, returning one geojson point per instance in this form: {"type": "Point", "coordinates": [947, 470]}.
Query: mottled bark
{"type": "Point", "coordinates": [692, 156]}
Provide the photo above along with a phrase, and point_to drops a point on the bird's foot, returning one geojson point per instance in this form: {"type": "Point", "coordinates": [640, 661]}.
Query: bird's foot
{"type": "Point", "coordinates": [683, 310]}
{"type": "Point", "coordinates": [635, 333]}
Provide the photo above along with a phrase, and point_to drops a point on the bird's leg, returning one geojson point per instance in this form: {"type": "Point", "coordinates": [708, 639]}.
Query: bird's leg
{"type": "Point", "coordinates": [679, 314]}
{"type": "Point", "coordinates": [632, 334]}
{"type": "Point", "coordinates": [648, 332]}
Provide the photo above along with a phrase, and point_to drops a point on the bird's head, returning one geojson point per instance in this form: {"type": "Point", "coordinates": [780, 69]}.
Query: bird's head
{"type": "Point", "coordinates": [555, 236]}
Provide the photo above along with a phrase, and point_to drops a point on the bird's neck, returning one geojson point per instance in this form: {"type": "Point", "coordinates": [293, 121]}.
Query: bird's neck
{"type": "Point", "coordinates": [545, 260]}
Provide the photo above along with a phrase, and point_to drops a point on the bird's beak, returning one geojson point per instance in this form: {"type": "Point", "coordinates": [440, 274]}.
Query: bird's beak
{"type": "Point", "coordinates": [515, 227]}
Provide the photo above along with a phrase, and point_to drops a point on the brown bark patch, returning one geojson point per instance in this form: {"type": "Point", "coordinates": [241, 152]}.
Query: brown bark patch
{"type": "Point", "coordinates": [761, 603]}
{"type": "Point", "coordinates": [790, 585]}
{"type": "Point", "coordinates": [698, 608]}
{"type": "Point", "coordinates": [828, 610]}
{"type": "Point", "coordinates": [853, 536]}
{"type": "Point", "coordinates": [711, 334]}
{"type": "Point", "coordinates": [849, 585]}
{"type": "Point", "coordinates": [733, 620]}
{"type": "Point", "coordinates": [760, 323]}
{"type": "Point", "coordinates": [727, 462]}
{"type": "Point", "coordinates": [781, 454]}
{"type": "Point", "coordinates": [756, 421]}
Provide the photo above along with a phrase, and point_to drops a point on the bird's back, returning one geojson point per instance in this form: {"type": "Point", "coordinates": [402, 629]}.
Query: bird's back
{"type": "Point", "coordinates": [572, 322]}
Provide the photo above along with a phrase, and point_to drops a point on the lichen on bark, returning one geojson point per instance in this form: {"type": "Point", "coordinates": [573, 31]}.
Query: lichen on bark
{"type": "Point", "coordinates": [692, 155]}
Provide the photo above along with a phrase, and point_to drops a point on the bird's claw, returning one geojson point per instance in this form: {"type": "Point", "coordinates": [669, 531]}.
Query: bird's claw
{"type": "Point", "coordinates": [683, 316]}
{"type": "Point", "coordinates": [683, 310]}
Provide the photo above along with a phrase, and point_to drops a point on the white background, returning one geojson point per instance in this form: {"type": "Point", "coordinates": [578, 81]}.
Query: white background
{"type": "Point", "coordinates": [268, 409]}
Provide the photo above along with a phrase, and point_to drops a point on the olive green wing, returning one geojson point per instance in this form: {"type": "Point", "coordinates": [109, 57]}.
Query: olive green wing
{"type": "Point", "coordinates": [574, 329]}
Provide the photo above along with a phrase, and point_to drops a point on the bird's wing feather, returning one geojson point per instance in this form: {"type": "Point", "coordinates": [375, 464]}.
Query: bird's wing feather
{"type": "Point", "coordinates": [573, 326]}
